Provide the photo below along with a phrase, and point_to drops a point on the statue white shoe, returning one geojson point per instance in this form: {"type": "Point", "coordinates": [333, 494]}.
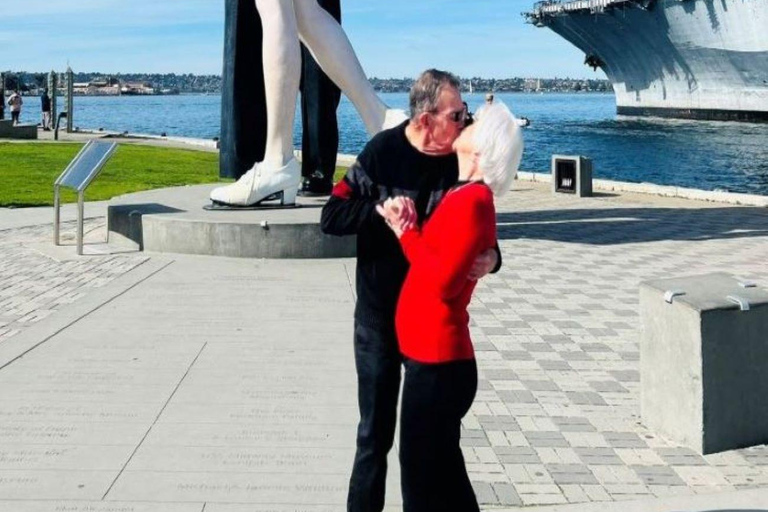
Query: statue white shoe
{"type": "Point", "coordinates": [262, 184]}
{"type": "Point", "coordinates": [393, 117]}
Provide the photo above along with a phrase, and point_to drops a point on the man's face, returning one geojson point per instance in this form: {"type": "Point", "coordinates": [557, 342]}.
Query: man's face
{"type": "Point", "coordinates": [447, 120]}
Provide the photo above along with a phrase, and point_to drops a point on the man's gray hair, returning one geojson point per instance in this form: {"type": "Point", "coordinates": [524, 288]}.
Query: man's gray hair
{"type": "Point", "coordinates": [426, 90]}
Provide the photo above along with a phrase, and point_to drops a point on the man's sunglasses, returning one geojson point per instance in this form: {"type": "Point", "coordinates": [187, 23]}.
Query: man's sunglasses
{"type": "Point", "coordinates": [461, 116]}
{"type": "Point", "coordinates": [468, 116]}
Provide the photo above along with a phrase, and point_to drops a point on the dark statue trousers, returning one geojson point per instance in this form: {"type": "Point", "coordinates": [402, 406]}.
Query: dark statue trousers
{"type": "Point", "coordinates": [243, 107]}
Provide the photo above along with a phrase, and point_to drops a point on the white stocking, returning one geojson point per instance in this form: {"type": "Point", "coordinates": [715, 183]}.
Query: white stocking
{"type": "Point", "coordinates": [328, 44]}
{"type": "Point", "coordinates": [282, 73]}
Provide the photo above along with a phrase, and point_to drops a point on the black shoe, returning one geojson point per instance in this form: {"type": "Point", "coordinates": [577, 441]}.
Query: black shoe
{"type": "Point", "coordinates": [315, 185]}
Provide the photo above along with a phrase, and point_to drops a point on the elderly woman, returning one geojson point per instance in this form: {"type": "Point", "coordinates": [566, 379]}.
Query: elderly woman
{"type": "Point", "coordinates": [432, 320]}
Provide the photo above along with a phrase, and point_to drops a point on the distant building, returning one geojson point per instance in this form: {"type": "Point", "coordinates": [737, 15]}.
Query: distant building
{"type": "Point", "coordinates": [136, 88]}
{"type": "Point", "coordinates": [95, 88]}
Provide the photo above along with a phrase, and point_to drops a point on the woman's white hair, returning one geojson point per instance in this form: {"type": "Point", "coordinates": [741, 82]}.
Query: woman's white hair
{"type": "Point", "coordinates": [499, 141]}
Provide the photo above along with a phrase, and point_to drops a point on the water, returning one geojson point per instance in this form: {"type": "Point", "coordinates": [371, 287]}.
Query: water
{"type": "Point", "coordinates": [697, 154]}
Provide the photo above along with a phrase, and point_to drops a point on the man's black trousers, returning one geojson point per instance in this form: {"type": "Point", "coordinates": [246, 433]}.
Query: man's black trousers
{"type": "Point", "coordinates": [378, 361]}
{"type": "Point", "coordinates": [435, 398]}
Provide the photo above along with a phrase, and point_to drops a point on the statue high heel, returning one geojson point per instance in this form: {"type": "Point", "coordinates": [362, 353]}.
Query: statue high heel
{"type": "Point", "coordinates": [260, 185]}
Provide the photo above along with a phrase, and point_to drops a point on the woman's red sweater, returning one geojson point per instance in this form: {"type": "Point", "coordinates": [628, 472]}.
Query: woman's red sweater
{"type": "Point", "coordinates": [432, 320]}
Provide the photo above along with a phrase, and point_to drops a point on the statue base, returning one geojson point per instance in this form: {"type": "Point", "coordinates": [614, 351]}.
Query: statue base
{"type": "Point", "coordinates": [219, 207]}
{"type": "Point", "coordinates": [173, 220]}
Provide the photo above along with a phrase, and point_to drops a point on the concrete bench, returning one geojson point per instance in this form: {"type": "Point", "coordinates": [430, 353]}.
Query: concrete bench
{"type": "Point", "coordinates": [704, 361]}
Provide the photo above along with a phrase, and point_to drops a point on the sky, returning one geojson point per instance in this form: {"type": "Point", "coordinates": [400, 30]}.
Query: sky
{"type": "Point", "coordinates": [392, 38]}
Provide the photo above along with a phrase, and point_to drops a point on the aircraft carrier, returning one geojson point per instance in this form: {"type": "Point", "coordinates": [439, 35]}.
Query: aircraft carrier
{"type": "Point", "coordinates": [696, 59]}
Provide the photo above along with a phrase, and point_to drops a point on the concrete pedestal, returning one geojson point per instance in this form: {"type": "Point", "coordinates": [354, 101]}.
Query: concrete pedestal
{"type": "Point", "coordinates": [173, 220]}
{"type": "Point", "coordinates": [21, 131]}
{"type": "Point", "coordinates": [704, 362]}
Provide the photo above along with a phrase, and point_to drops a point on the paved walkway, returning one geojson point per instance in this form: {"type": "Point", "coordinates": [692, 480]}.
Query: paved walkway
{"type": "Point", "coordinates": [147, 382]}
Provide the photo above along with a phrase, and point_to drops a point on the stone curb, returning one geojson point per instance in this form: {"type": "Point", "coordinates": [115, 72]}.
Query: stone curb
{"type": "Point", "coordinates": [660, 190]}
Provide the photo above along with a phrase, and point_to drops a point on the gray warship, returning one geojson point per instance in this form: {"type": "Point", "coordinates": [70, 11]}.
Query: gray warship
{"type": "Point", "coordinates": [695, 59]}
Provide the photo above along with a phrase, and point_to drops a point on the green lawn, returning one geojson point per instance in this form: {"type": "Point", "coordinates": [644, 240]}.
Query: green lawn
{"type": "Point", "coordinates": [28, 170]}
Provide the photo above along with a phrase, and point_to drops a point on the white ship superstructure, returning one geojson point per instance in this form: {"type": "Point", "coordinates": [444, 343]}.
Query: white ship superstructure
{"type": "Point", "coordinates": [704, 59]}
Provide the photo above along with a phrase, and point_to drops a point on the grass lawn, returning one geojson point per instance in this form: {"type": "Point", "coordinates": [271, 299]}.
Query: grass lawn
{"type": "Point", "coordinates": [28, 170]}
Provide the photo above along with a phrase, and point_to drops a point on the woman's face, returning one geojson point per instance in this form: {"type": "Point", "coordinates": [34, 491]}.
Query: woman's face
{"type": "Point", "coordinates": [464, 145]}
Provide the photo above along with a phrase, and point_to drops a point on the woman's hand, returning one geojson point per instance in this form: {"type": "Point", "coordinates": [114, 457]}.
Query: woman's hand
{"type": "Point", "coordinates": [399, 213]}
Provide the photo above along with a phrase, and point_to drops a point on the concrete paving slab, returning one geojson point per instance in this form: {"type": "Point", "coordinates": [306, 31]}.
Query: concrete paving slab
{"type": "Point", "coordinates": [290, 396]}
{"type": "Point", "coordinates": [15, 218]}
{"type": "Point", "coordinates": [97, 506]}
{"type": "Point", "coordinates": [21, 457]}
{"type": "Point", "coordinates": [63, 485]}
{"type": "Point", "coordinates": [37, 334]}
{"type": "Point", "coordinates": [84, 393]}
{"type": "Point", "coordinates": [555, 420]}
{"type": "Point", "coordinates": [226, 435]}
{"type": "Point", "coordinates": [228, 507]}
{"type": "Point", "coordinates": [753, 500]}
{"type": "Point", "coordinates": [272, 460]}
{"type": "Point", "coordinates": [21, 410]}
{"type": "Point", "coordinates": [65, 434]}
{"type": "Point", "coordinates": [266, 414]}
{"type": "Point", "coordinates": [288, 376]}
{"type": "Point", "coordinates": [307, 488]}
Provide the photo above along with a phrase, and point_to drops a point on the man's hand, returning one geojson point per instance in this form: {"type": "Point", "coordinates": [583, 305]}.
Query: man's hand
{"type": "Point", "coordinates": [399, 213]}
{"type": "Point", "coordinates": [483, 264]}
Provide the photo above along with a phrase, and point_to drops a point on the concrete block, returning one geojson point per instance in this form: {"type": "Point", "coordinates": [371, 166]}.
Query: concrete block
{"type": "Point", "coordinates": [572, 175]}
{"type": "Point", "coordinates": [703, 362]}
{"type": "Point", "coordinates": [21, 131]}
{"type": "Point", "coordinates": [173, 221]}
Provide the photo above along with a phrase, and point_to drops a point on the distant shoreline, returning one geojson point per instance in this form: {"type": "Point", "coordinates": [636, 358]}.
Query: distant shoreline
{"type": "Point", "coordinates": [212, 84]}
{"type": "Point", "coordinates": [464, 92]}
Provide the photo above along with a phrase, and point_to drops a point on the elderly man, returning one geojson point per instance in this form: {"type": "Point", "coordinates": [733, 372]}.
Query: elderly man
{"type": "Point", "coordinates": [414, 159]}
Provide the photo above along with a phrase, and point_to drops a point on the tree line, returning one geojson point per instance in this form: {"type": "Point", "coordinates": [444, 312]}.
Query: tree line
{"type": "Point", "coordinates": [191, 83]}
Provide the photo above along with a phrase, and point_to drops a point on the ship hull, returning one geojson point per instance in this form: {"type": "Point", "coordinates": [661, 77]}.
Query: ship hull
{"type": "Point", "coordinates": [698, 59]}
{"type": "Point", "coordinates": [752, 116]}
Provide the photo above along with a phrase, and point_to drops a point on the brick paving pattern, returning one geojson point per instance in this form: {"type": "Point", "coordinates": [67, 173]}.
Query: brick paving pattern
{"type": "Point", "coordinates": [33, 286]}
{"type": "Point", "coordinates": [556, 417]}
{"type": "Point", "coordinates": [556, 331]}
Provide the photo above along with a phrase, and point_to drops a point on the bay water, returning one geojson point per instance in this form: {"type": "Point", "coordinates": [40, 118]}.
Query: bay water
{"type": "Point", "coordinates": [706, 155]}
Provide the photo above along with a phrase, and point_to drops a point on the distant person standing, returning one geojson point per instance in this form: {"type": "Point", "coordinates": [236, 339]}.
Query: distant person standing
{"type": "Point", "coordinates": [15, 102]}
{"type": "Point", "coordinates": [45, 103]}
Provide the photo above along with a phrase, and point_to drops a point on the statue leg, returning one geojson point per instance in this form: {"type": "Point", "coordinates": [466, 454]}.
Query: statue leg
{"type": "Point", "coordinates": [320, 133]}
{"type": "Point", "coordinates": [328, 44]}
{"type": "Point", "coordinates": [243, 110]}
{"type": "Point", "coordinates": [278, 175]}
{"type": "Point", "coordinates": [282, 72]}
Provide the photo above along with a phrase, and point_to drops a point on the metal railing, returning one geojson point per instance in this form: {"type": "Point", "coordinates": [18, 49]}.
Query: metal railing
{"type": "Point", "coordinates": [546, 8]}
